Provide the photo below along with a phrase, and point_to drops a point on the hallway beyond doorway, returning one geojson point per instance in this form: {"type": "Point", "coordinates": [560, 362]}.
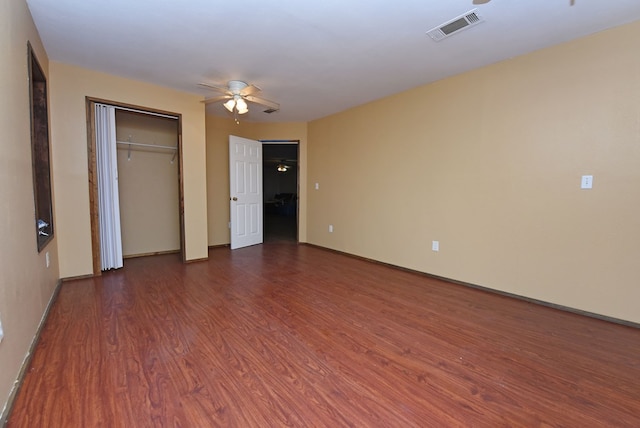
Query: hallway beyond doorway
{"type": "Point", "coordinates": [278, 228]}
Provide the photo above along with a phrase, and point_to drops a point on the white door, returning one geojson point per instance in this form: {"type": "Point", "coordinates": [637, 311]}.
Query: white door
{"type": "Point", "coordinates": [245, 178]}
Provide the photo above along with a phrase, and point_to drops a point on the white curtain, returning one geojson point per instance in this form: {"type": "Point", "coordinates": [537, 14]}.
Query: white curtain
{"type": "Point", "coordinates": [108, 199]}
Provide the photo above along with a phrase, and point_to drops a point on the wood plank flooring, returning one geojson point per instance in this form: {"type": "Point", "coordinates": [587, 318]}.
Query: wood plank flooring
{"type": "Point", "coordinates": [288, 335]}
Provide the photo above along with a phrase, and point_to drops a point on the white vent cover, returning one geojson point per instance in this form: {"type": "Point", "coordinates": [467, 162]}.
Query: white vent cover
{"type": "Point", "coordinates": [455, 25]}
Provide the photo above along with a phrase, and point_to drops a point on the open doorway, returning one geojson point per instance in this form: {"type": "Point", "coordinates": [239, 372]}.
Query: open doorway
{"type": "Point", "coordinates": [280, 184]}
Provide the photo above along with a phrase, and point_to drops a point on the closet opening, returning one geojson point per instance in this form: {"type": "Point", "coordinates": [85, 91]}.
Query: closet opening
{"type": "Point", "coordinates": [135, 182]}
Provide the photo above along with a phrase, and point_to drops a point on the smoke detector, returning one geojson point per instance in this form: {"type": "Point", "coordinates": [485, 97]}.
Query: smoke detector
{"type": "Point", "coordinates": [455, 25]}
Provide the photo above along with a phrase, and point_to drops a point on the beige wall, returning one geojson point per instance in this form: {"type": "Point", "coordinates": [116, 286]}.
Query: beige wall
{"type": "Point", "coordinates": [218, 131]}
{"type": "Point", "coordinates": [69, 87]}
{"type": "Point", "coordinates": [489, 163]}
{"type": "Point", "coordinates": [26, 285]}
{"type": "Point", "coordinates": [148, 184]}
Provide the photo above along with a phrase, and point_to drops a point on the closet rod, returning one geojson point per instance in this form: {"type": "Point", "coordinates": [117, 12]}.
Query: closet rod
{"type": "Point", "coordinates": [155, 146]}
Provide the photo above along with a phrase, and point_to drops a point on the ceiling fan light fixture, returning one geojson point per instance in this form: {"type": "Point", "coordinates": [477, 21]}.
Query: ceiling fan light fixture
{"type": "Point", "coordinates": [236, 96]}
{"type": "Point", "coordinates": [229, 105]}
{"type": "Point", "coordinates": [241, 105]}
{"type": "Point", "coordinates": [282, 168]}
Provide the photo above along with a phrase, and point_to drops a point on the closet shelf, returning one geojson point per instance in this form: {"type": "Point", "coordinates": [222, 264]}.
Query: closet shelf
{"type": "Point", "coordinates": [151, 146]}
{"type": "Point", "coordinates": [154, 146]}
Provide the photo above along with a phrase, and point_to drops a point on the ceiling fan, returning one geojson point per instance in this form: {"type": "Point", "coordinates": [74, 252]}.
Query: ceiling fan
{"type": "Point", "coordinates": [236, 94]}
{"type": "Point", "coordinates": [282, 165]}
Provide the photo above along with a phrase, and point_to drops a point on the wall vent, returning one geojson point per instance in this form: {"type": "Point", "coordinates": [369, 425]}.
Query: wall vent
{"type": "Point", "coordinates": [455, 25]}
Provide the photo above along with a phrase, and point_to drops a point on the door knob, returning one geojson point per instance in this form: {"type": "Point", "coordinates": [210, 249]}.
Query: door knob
{"type": "Point", "coordinates": [234, 198]}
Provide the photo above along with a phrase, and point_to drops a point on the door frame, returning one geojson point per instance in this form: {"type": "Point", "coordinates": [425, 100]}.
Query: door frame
{"type": "Point", "coordinates": [297, 143]}
{"type": "Point", "coordinates": [93, 172]}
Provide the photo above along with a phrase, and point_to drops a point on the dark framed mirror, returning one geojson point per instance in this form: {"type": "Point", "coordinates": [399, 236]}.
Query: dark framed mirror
{"type": "Point", "coordinates": [40, 151]}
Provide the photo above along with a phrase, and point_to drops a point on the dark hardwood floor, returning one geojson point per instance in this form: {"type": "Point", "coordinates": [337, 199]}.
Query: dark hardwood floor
{"type": "Point", "coordinates": [288, 335]}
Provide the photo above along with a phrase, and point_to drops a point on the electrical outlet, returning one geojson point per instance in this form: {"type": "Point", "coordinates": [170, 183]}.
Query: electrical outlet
{"type": "Point", "coordinates": [586, 182]}
{"type": "Point", "coordinates": [330, 228]}
{"type": "Point", "coordinates": [317, 186]}
{"type": "Point", "coordinates": [435, 245]}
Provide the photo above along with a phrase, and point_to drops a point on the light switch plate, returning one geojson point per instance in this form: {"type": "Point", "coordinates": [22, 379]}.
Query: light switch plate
{"type": "Point", "coordinates": [435, 245]}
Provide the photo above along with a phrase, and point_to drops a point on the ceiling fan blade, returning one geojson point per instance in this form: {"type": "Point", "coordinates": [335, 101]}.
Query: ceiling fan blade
{"type": "Point", "coordinates": [250, 90]}
{"type": "Point", "coordinates": [215, 88]}
{"type": "Point", "coordinates": [262, 101]}
{"type": "Point", "coordinates": [216, 99]}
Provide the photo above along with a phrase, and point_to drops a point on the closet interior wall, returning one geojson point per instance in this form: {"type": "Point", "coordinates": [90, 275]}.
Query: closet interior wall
{"type": "Point", "coordinates": [148, 184]}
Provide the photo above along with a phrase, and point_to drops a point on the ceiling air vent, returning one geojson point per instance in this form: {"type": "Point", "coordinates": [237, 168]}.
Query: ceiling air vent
{"type": "Point", "coordinates": [455, 25]}
{"type": "Point", "coordinates": [270, 110]}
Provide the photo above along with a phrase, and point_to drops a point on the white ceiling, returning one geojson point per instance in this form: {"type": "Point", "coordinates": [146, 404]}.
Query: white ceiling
{"type": "Point", "coordinates": [313, 57]}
